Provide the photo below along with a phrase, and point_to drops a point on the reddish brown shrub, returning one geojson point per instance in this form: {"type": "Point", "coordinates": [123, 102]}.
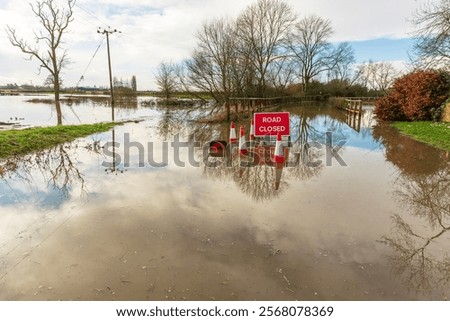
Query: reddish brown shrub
{"type": "Point", "coordinates": [389, 108]}
{"type": "Point", "coordinates": [416, 96]}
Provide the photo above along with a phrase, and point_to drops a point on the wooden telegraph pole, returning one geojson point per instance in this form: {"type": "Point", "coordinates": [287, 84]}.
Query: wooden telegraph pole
{"type": "Point", "coordinates": [107, 32]}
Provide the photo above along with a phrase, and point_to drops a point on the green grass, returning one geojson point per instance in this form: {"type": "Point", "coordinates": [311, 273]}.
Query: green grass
{"type": "Point", "coordinates": [435, 134]}
{"type": "Point", "coordinates": [21, 142]}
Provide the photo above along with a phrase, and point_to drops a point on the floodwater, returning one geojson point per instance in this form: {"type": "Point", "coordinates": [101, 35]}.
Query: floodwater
{"type": "Point", "coordinates": [38, 110]}
{"type": "Point", "coordinates": [366, 219]}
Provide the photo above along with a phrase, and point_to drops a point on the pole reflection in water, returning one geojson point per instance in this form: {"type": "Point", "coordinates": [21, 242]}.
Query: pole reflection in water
{"type": "Point", "coordinates": [113, 167]}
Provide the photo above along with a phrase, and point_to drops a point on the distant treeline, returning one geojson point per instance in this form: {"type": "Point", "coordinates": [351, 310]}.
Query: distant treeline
{"type": "Point", "coordinates": [269, 50]}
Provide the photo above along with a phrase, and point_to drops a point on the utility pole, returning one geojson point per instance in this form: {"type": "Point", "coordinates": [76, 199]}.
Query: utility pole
{"type": "Point", "coordinates": [107, 32]}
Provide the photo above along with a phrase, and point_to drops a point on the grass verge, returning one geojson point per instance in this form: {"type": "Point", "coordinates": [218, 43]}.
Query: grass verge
{"type": "Point", "coordinates": [435, 134]}
{"type": "Point", "coordinates": [21, 142]}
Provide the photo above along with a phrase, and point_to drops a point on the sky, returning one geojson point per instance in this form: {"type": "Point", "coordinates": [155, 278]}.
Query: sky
{"type": "Point", "coordinates": [153, 31]}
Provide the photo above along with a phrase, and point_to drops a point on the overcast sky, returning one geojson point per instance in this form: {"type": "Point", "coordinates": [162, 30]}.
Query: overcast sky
{"type": "Point", "coordinates": [155, 30]}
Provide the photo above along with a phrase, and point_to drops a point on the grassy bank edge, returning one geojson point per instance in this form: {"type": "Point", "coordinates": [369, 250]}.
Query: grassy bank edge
{"type": "Point", "coordinates": [21, 142]}
{"type": "Point", "coordinates": [436, 134]}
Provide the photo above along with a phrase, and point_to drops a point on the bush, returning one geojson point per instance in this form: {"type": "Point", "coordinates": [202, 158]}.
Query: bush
{"type": "Point", "coordinates": [389, 108]}
{"type": "Point", "coordinates": [416, 96]}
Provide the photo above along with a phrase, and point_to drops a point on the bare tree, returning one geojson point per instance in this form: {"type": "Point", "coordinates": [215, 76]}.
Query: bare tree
{"type": "Point", "coordinates": [378, 75]}
{"type": "Point", "coordinates": [201, 74]}
{"type": "Point", "coordinates": [432, 47]}
{"type": "Point", "coordinates": [309, 44]}
{"type": "Point", "coordinates": [217, 65]}
{"type": "Point", "coordinates": [282, 73]}
{"type": "Point", "coordinates": [166, 78]}
{"type": "Point", "coordinates": [342, 58]}
{"type": "Point", "coordinates": [263, 28]}
{"type": "Point", "coordinates": [211, 66]}
{"type": "Point", "coordinates": [47, 45]}
{"type": "Point", "coordinates": [183, 79]}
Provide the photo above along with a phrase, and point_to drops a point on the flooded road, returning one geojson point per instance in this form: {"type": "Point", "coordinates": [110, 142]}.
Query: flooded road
{"type": "Point", "coordinates": [75, 225]}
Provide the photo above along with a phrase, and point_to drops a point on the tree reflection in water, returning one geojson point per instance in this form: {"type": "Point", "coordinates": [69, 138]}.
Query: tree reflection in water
{"type": "Point", "coordinates": [263, 181]}
{"type": "Point", "coordinates": [257, 182]}
{"type": "Point", "coordinates": [418, 252]}
{"type": "Point", "coordinates": [55, 166]}
{"type": "Point", "coordinates": [173, 121]}
{"type": "Point", "coordinates": [419, 243]}
{"type": "Point", "coordinates": [260, 182]}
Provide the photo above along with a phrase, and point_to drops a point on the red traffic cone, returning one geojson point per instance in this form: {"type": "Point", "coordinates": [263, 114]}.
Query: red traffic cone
{"type": "Point", "coordinates": [252, 131]}
{"type": "Point", "coordinates": [278, 156]}
{"type": "Point", "coordinates": [242, 142]}
{"type": "Point", "coordinates": [233, 138]}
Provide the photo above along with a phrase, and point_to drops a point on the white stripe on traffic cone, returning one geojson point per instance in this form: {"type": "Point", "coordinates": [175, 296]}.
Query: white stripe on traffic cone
{"type": "Point", "coordinates": [252, 131]}
{"type": "Point", "coordinates": [278, 156]}
{"type": "Point", "coordinates": [233, 138]}
{"type": "Point", "coordinates": [242, 142]}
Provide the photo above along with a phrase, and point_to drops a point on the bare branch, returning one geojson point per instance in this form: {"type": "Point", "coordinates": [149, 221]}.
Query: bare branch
{"type": "Point", "coordinates": [432, 32]}
{"type": "Point", "coordinates": [263, 28]}
{"type": "Point", "coordinates": [378, 76]}
{"type": "Point", "coordinates": [309, 44]}
{"type": "Point", "coordinates": [54, 20]}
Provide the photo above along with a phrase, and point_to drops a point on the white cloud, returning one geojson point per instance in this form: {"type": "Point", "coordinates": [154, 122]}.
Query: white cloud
{"type": "Point", "coordinates": [157, 30]}
{"type": "Point", "coordinates": [363, 19]}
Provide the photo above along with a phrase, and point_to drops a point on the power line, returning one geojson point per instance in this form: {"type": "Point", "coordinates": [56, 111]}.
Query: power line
{"type": "Point", "coordinates": [92, 14]}
{"type": "Point", "coordinates": [89, 64]}
{"type": "Point", "coordinates": [63, 3]}
{"type": "Point", "coordinates": [82, 77]}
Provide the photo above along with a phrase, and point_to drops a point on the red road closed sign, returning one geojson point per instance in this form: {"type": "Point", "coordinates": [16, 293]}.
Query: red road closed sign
{"type": "Point", "coordinates": [270, 124]}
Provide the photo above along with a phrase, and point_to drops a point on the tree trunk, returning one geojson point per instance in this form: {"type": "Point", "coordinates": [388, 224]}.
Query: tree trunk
{"type": "Point", "coordinates": [306, 82]}
{"type": "Point", "coordinates": [57, 102]}
{"type": "Point", "coordinates": [58, 112]}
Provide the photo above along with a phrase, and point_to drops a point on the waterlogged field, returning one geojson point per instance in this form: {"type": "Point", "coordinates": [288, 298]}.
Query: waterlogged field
{"type": "Point", "coordinates": [39, 110]}
{"type": "Point", "coordinates": [360, 213]}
